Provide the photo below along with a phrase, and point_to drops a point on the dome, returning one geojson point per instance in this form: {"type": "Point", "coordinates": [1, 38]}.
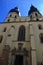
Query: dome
{"type": "Point", "coordinates": [15, 10]}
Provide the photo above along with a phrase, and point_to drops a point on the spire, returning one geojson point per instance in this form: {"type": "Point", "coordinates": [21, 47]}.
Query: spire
{"type": "Point", "coordinates": [32, 9]}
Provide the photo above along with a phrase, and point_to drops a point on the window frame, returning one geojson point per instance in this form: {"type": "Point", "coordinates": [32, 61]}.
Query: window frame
{"type": "Point", "coordinates": [21, 33]}
{"type": "Point", "coordinates": [41, 37]}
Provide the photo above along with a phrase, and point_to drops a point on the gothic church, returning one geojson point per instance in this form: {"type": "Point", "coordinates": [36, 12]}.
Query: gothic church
{"type": "Point", "coordinates": [21, 38]}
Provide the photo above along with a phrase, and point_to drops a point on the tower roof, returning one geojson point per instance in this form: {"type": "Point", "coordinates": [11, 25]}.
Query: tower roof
{"type": "Point", "coordinates": [32, 9]}
{"type": "Point", "coordinates": [15, 10]}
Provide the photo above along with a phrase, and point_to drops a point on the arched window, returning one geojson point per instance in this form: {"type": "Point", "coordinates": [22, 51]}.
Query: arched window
{"type": "Point", "coordinates": [13, 26]}
{"type": "Point", "coordinates": [36, 14]}
{"type": "Point", "coordinates": [4, 29]}
{"type": "Point", "coordinates": [21, 34]}
{"type": "Point", "coordinates": [40, 26]}
{"type": "Point", "coordinates": [10, 15]}
{"type": "Point", "coordinates": [15, 16]}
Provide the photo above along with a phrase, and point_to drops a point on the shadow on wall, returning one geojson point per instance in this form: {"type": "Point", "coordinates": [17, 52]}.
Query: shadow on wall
{"type": "Point", "coordinates": [5, 55]}
{"type": "Point", "coordinates": [39, 63]}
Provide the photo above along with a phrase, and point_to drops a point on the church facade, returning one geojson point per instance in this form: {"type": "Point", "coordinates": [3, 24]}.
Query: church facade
{"type": "Point", "coordinates": [21, 38]}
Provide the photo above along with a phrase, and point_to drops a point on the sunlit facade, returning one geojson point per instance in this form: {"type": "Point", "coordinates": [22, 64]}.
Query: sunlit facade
{"type": "Point", "coordinates": [21, 38]}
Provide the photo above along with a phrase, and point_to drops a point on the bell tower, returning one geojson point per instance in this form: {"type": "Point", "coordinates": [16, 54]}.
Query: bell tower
{"type": "Point", "coordinates": [12, 15]}
{"type": "Point", "coordinates": [34, 13]}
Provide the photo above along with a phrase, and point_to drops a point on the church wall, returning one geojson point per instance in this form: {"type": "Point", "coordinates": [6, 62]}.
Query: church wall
{"type": "Point", "coordinates": [10, 36]}
{"type": "Point", "coordinates": [38, 44]}
{"type": "Point", "coordinates": [13, 29]}
{"type": "Point", "coordinates": [12, 14]}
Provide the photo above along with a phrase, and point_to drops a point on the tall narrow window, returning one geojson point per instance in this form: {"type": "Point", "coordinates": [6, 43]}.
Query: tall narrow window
{"type": "Point", "coordinates": [15, 16]}
{"type": "Point", "coordinates": [4, 29]}
{"type": "Point", "coordinates": [36, 14]}
{"type": "Point", "coordinates": [21, 35]}
{"type": "Point", "coordinates": [1, 37]}
{"type": "Point", "coordinates": [41, 37]}
{"type": "Point", "coordinates": [40, 26]}
{"type": "Point", "coordinates": [31, 17]}
{"type": "Point", "coordinates": [10, 15]}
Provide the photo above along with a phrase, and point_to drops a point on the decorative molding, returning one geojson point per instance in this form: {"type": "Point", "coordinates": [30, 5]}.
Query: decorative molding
{"type": "Point", "coordinates": [20, 51]}
{"type": "Point", "coordinates": [33, 49]}
{"type": "Point", "coordinates": [20, 41]}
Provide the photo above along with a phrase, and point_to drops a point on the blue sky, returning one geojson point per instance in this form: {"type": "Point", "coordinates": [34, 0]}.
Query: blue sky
{"type": "Point", "coordinates": [23, 5]}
